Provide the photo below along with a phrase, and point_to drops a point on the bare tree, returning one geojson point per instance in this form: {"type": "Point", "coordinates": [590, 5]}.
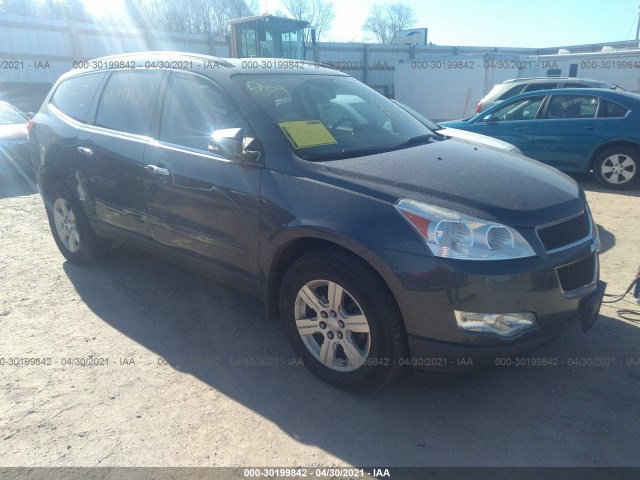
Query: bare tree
{"type": "Point", "coordinates": [319, 13]}
{"type": "Point", "coordinates": [196, 16]}
{"type": "Point", "coordinates": [385, 20]}
{"type": "Point", "coordinates": [232, 9]}
{"type": "Point", "coordinates": [61, 9]}
{"type": "Point", "coordinates": [18, 7]}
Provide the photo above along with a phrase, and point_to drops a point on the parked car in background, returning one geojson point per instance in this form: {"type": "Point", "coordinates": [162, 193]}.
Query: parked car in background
{"type": "Point", "coordinates": [574, 130]}
{"type": "Point", "coordinates": [378, 243]}
{"type": "Point", "coordinates": [460, 134]}
{"type": "Point", "coordinates": [14, 140]}
{"type": "Point", "coordinates": [510, 88]}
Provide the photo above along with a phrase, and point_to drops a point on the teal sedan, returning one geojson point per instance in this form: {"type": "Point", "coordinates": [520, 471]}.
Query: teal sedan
{"type": "Point", "coordinates": [574, 130]}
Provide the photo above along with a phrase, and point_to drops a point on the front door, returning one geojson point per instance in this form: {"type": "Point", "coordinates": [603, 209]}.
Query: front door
{"type": "Point", "coordinates": [514, 122]}
{"type": "Point", "coordinates": [200, 202]}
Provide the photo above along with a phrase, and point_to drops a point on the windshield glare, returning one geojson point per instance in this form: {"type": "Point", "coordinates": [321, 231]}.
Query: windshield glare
{"type": "Point", "coordinates": [320, 115]}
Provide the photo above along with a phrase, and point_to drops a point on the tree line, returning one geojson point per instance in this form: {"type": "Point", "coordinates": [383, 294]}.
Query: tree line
{"type": "Point", "coordinates": [212, 16]}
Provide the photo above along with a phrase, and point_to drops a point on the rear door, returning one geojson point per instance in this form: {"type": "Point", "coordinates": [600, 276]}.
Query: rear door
{"type": "Point", "coordinates": [200, 202]}
{"type": "Point", "coordinates": [53, 137]}
{"type": "Point", "coordinates": [568, 131]}
{"type": "Point", "coordinates": [110, 152]}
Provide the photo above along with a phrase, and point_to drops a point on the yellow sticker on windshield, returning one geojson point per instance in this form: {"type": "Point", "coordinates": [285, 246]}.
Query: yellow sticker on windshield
{"type": "Point", "coordinates": [307, 133]}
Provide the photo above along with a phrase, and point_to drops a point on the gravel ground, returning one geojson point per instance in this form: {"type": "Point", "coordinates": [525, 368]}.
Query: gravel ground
{"type": "Point", "coordinates": [172, 384]}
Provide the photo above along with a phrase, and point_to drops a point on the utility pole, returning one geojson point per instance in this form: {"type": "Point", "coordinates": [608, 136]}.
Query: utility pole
{"type": "Point", "coordinates": [638, 27]}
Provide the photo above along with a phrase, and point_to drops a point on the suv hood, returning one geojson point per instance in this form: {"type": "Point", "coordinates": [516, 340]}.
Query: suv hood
{"type": "Point", "coordinates": [485, 182]}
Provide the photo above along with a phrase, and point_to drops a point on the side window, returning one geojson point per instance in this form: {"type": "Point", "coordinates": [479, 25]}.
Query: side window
{"type": "Point", "coordinates": [521, 109]}
{"type": "Point", "coordinates": [572, 106]}
{"type": "Point", "coordinates": [574, 85]}
{"type": "Point", "coordinates": [609, 109]}
{"type": "Point", "coordinates": [127, 101]}
{"type": "Point", "coordinates": [75, 95]}
{"type": "Point", "coordinates": [193, 109]}
{"type": "Point", "coordinates": [534, 87]}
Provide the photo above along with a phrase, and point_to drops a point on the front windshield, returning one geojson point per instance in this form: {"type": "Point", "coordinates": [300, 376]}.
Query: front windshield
{"type": "Point", "coordinates": [429, 123]}
{"type": "Point", "coordinates": [324, 117]}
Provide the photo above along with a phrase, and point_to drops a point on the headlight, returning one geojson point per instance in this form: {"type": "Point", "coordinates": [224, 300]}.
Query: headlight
{"type": "Point", "coordinates": [450, 234]}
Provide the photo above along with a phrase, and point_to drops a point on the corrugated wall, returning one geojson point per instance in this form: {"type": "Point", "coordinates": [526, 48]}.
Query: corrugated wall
{"type": "Point", "coordinates": [36, 51]}
{"type": "Point", "coordinates": [34, 41]}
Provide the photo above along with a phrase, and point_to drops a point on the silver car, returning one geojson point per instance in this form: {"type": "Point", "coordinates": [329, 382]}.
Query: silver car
{"type": "Point", "coordinates": [509, 88]}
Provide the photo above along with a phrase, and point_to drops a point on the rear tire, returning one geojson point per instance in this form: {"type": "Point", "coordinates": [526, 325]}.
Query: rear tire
{"type": "Point", "coordinates": [617, 168]}
{"type": "Point", "coordinates": [71, 230]}
{"type": "Point", "coordinates": [341, 319]}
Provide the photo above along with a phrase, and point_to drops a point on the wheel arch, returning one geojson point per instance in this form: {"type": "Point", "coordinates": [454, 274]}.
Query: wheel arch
{"type": "Point", "coordinates": [295, 248]}
{"type": "Point", "coordinates": [615, 143]}
{"type": "Point", "coordinates": [49, 179]}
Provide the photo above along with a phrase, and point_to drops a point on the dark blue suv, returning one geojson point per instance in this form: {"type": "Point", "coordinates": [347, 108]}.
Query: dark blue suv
{"type": "Point", "coordinates": [380, 244]}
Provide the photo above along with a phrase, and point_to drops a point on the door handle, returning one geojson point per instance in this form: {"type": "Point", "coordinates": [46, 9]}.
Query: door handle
{"type": "Point", "coordinates": [590, 127]}
{"type": "Point", "coordinates": [522, 129]}
{"type": "Point", "coordinates": [85, 151]}
{"type": "Point", "coordinates": [157, 170]}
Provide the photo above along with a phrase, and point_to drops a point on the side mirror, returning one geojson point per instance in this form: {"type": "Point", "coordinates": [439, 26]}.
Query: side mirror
{"type": "Point", "coordinates": [490, 119]}
{"type": "Point", "coordinates": [233, 144]}
{"type": "Point", "coordinates": [226, 142]}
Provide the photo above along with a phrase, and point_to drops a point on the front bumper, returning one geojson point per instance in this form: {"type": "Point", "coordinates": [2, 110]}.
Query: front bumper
{"type": "Point", "coordinates": [444, 357]}
{"type": "Point", "coordinates": [428, 290]}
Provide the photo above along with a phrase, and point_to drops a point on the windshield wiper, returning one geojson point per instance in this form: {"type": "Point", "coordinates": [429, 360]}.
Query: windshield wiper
{"type": "Point", "coordinates": [361, 152]}
{"type": "Point", "coordinates": [417, 140]}
{"type": "Point", "coordinates": [347, 153]}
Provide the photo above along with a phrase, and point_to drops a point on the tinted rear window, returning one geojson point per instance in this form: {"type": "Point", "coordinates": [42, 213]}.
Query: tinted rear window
{"type": "Point", "coordinates": [609, 109]}
{"type": "Point", "coordinates": [534, 87]}
{"type": "Point", "coordinates": [75, 95]}
{"type": "Point", "coordinates": [512, 92]}
{"type": "Point", "coordinates": [575, 85]}
{"type": "Point", "coordinates": [127, 101]}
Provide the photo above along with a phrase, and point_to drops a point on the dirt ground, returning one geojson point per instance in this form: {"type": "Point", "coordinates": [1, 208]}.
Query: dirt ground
{"type": "Point", "coordinates": [135, 362]}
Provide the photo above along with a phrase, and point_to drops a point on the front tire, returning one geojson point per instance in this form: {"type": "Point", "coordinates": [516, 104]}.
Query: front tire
{"type": "Point", "coordinates": [342, 321]}
{"type": "Point", "coordinates": [71, 230]}
{"type": "Point", "coordinates": [617, 168]}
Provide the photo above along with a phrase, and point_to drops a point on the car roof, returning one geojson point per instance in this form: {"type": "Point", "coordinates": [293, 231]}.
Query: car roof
{"type": "Point", "coordinates": [222, 66]}
{"type": "Point", "coordinates": [614, 95]}
{"type": "Point", "coordinates": [558, 79]}
{"type": "Point", "coordinates": [601, 92]}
